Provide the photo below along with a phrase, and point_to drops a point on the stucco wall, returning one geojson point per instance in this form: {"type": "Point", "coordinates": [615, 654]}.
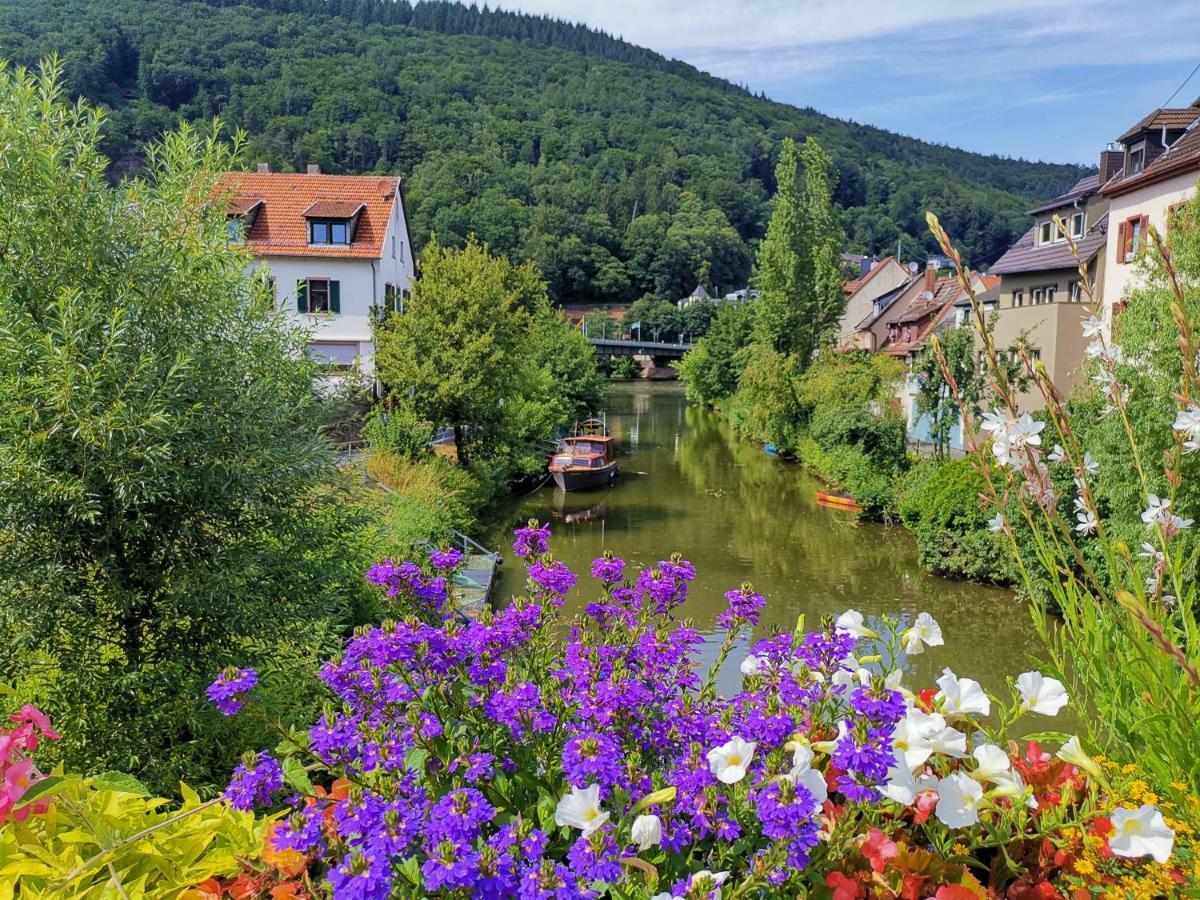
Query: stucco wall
{"type": "Point", "coordinates": [858, 306]}
{"type": "Point", "coordinates": [1151, 201]}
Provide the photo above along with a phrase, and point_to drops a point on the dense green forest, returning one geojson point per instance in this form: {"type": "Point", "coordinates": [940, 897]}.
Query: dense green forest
{"type": "Point", "coordinates": [619, 172]}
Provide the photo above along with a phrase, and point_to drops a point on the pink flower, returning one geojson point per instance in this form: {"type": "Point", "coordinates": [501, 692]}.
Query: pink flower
{"type": "Point", "coordinates": [878, 848]}
{"type": "Point", "coordinates": [7, 745]}
{"type": "Point", "coordinates": [18, 778]}
{"type": "Point", "coordinates": [38, 719]}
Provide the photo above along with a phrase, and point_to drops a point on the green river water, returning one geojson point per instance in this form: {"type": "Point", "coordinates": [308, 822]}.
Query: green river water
{"type": "Point", "coordinates": [740, 515]}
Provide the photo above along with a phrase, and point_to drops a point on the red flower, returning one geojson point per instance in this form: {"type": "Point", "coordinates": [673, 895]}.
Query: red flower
{"type": "Point", "coordinates": [844, 887]}
{"type": "Point", "coordinates": [955, 892]}
{"type": "Point", "coordinates": [925, 699]}
{"type": "Point", "coordinates": [878, 848]}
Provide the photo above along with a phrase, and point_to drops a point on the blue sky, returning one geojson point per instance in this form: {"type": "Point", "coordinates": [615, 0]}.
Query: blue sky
{"type": "Point", "coordinates": [1039, 79]}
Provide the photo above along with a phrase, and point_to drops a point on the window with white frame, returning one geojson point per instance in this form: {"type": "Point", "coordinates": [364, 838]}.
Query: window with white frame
{"type": "Point", "coordinates": [1037, 296]}
{"type": "Point", "coordinates": [1045, 232]}
{"type": "Point", "coordinates": [1018, 297]}
{"type": "Point", "coordinates": [1077, 224]}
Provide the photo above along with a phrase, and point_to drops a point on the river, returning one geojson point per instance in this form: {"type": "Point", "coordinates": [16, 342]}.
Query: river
{"type": "Point", "coordinates": [739, 515]}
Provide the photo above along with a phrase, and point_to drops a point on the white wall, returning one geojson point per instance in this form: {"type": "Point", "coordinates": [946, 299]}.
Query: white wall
{"type": "Point", "coordinates": [362, 283]}
{"type": "Point", "coordinates": [1151, 201]}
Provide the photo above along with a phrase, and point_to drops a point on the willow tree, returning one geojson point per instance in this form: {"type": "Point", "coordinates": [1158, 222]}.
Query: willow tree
{"type": "Point", "coordinates": [798, 270]}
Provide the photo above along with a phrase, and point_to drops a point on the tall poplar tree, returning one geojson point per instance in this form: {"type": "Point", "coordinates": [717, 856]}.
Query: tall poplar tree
{"type": "Point", "coordinates": [797, 270]}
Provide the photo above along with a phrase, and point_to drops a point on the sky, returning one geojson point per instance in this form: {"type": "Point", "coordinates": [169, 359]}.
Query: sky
{"type": "Point", "coordinates": [1038, 79]}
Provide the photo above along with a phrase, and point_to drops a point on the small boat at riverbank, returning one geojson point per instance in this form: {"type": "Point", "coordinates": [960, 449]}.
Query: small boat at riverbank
{"type": "Point", "coordinates": [586, 459]}
{"type": "Point", "coordinates": [838, 501]}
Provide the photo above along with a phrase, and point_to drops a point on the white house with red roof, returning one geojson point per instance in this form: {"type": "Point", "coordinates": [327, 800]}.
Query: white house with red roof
{"type": "Point", "coordinates": [338, 249]}
{"type": "Point", "coordinates": [1160, 162]}
{"type": "Point", "coordinates": [881, 278]}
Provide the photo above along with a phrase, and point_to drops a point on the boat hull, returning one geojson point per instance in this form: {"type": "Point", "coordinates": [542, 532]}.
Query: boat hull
{"type": "Point", "coordinates": [584, 479]}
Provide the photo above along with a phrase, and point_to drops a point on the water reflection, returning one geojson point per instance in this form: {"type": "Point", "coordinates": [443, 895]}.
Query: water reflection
{"type": "Point", "coordinates": [739, 515]}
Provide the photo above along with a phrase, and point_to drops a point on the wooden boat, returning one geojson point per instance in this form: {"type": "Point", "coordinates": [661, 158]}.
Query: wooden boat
{"type": "Point", "coordinates": [838, 501]}
{"type": "Point", "coordinates": [585, 459]}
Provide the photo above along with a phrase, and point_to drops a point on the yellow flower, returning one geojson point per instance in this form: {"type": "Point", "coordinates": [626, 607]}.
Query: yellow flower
{"type": "Point", "coordinates": [960, 849]}
{"type": "Point", "coordinates": [1085, 866]}
{"type": "Point", "coordinates": [1129, 768]}
{"type": "Point", "coordinates": [1179, 785]}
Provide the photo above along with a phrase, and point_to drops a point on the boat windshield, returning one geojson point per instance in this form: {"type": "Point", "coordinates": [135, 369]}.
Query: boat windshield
{"type": "Point", "coordinates": [587, 447]}
{"type": "Point", "coordinates": [579, 462]}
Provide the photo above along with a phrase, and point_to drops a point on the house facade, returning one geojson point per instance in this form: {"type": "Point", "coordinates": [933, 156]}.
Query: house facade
{"type": "Point", "coordinates": [338, 250]}
{"type": "Point", "coordinates": [1042, 299]}
{"type": "Point", "coordinates": [1160, 163]}
{"type": "Point", "coordinates": [883, 277]}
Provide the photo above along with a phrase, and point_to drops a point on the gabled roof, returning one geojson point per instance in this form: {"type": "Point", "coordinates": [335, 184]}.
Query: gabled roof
{"type": "Point", "coordinates": [882, 303]}
{"type": "Point", "coordinates": [852, 287]}
{"type": "Point", "coordinates": [926, 313]}
{"type": "Point", "coordinates": [280, 227]}
{"type": "Point", "coordinates": [1170, 119]}
{"type": "Point", "coordinates": [1026, 256]}
{"type": "Point", "coordinates": [1083, 188]}
{"type": "Point", "coordinates": [1181, 157]}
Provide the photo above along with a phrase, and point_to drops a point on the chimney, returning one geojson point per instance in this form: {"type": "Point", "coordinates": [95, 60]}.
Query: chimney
{"type": "Point", "coordinates": [930, 276]}
{"type": "Point", "coordinates": [263, 168]}
{"type": "Point", "coordinates": [1111, 161]}
{"type": "Point", "coordinates": [314, 169]}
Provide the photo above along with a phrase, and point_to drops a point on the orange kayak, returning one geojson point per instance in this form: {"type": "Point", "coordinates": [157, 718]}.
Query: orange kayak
{"type": "Point", "coordinates": [838, 501]}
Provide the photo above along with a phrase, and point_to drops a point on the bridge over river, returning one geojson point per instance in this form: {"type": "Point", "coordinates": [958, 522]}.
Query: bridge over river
{"type": "Point", "coordinates": [659, 352]}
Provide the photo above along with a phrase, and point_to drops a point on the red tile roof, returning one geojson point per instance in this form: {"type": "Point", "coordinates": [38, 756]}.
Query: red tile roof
{"type": "Point", "coordinates": [1171, 119]}
{"type": "Point", "coordinates": [280, 227]}
{"type": "Point", "coordinates": [851, 287]}
{"type": "Point", "coordinates": [1182, 156]}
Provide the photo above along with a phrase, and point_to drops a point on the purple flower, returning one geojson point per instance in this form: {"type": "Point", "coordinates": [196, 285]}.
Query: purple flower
{"type": "Point", "coordinates": [229, 691]}
{"type": "Point", "coordinates": [865, 753]}
{"type": "Point", "coordinates": [878, 703]}
{"type": "Point", "coordinates": [302, 831]}
{"type": "Point", "coordinates": [596, 858]}
{"type": "Point", "coordinates": [608, 568]}
{"type": "Point", "coordinates": [254, 782]}
{"type": "Point", "coordinates": [532, 540]}
{"type": "Point", "coordinates": [445, 559]}
{"type": "Point", "coordinates": [555, 577]}
{"type": "Point", "coordinates": [744, 608]}
{"type": "Point", "coordinates": [460, 815]}
{"type": "Point", "coordinates": [592, 758]}
{"type": "Point", "coordinates": [451, 866]}
{"type": "Point", "coordinates": [362, 874]}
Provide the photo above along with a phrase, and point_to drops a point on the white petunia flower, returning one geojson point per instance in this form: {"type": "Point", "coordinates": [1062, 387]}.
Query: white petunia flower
{"type": "Point", "coordinates": [993, 764]}
{"type": "Point", "coordinates": [730, 761]}
{"type": "Point", "coordinates": [920, 734]}
{"type": "Point", "coordinates": [925, 632]}
{"type": "Point", "coordinates": [1042, 695]}
{"type": "Point", "coordinates": [751, 665]}
{"type": "Point", "coordinates": [581, 809]}
{"type": "Point", "coordinates": [804, 774]}
{"type": "Point", "coordinates": [851, 622]}
{"type": "Point", "coordinates": [961, 696]}
{"type": "Point", "coordinates": [959, 798]}
{"type": "Point", "coordinates": [1072, 753]}
{"type": "Point", "coordinates": [646, 831]}
{"type": "Point", "coordinates": [902, 787]}
{"type": "Point", "coordinates": [1141, 832]}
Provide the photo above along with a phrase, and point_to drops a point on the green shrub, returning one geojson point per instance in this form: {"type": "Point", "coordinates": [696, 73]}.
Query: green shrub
{"type": "Point", "coordinates": [399, 432]}
{"type": "Point", "coordinates": [939, 501]}
{"type": "Point", "coordinates": [83, 842]}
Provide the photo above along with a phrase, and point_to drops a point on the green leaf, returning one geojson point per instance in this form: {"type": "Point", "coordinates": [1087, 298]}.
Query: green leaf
{"type": "Point", "coordinates": [1043, 737]}
{"type": "Point", "coordinates": [296, 777]}
{"type": "Point", "coordinates": [119, 781]}
{"type": "Point", "coordinates": [415, 759]}
{"type": "Point", "coordinates": [47, 787]}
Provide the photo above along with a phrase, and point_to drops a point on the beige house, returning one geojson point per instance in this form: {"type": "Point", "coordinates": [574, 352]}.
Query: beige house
{"type": "Point", "coordinates": [1042, 299]}
{"type": "Point", "coordinates": [883, 277]}
{"type": "Point", "coordinates": [1160, 162]}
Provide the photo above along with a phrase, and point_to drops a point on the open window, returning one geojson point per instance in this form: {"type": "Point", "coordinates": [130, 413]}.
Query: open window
{"type": "Point", "coordinates": [318, 295]}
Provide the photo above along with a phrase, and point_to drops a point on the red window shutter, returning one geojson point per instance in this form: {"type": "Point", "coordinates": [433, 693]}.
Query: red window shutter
{"type": "Point", "coordinates": [1121, 243]}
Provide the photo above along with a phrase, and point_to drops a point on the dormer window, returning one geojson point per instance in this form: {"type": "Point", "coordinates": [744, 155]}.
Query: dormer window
{"type": "Point", "coordinates": [1045, 232]}
{"type": "Point", "coordinates": [331, 223]}
{"type": "Point", "coordinates": [235, 229]}
{"type": "Point", "coordinates": [1077, 222]}
{"type": "Point", "coordinates": [239, 218]}
{"type": "Point", "coordinates": [1137, 158]}
{"type": "Point", "coordinates": [328, 231]}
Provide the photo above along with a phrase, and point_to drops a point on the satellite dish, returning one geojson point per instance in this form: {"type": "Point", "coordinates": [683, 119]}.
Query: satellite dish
{"type": "Point", "coordinates": [927, 296]}
{"type": "Point", "coordinates": [912, 267]}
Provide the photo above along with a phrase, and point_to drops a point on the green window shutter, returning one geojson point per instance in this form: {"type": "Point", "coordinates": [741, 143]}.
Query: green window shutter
{"type": "Point", "coordinates": [302, 296]}
{"type": "Point", "coordinates": [335, 296]}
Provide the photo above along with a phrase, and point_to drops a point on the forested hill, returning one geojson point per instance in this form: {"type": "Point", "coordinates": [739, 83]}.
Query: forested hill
{"type": "Point", "coordinates": [618, 171]}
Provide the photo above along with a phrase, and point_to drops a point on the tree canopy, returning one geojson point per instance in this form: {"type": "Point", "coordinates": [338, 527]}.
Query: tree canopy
{"type": "Point", "coordinates": [617, 171]}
